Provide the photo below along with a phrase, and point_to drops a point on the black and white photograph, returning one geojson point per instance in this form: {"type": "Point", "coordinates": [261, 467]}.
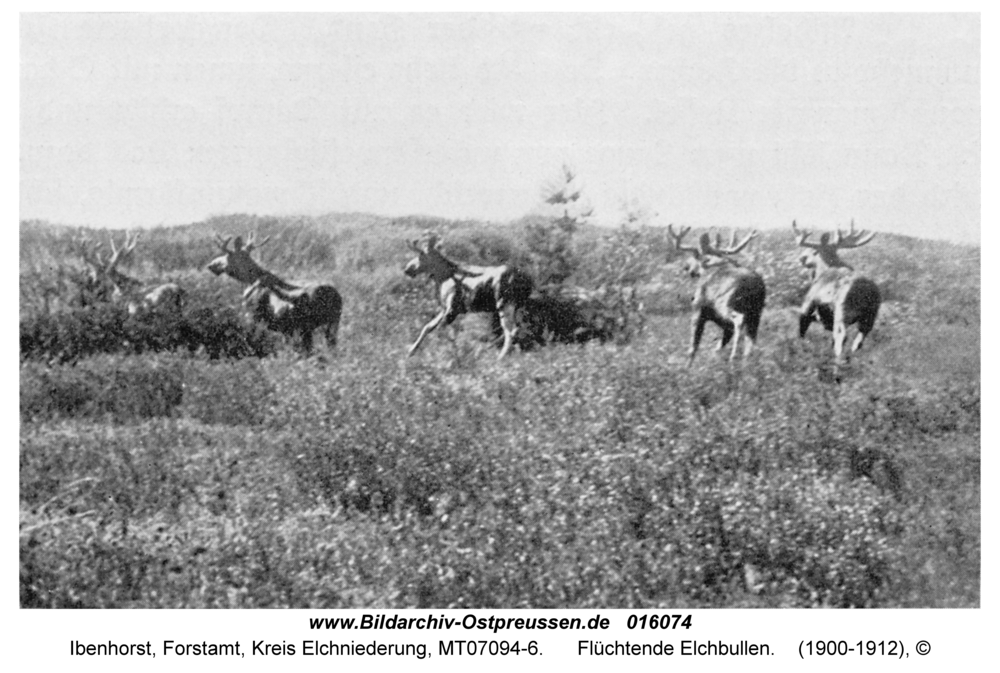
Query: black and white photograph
{"type": "Point", "coordinates": [472, 312]}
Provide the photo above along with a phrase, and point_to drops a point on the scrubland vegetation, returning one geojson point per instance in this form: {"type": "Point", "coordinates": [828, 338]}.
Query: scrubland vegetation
{"type": "Point", "coordinates": [199, 461]}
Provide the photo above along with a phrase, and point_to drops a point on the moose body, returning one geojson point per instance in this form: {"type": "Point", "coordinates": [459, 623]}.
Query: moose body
{"type": "Point", "coordinates": [732, 298]}
{"type": "Point", "coordinates": [169, 296]}
{"type": "Point", "coordinates": [106, 279]}
{"type": "Point", "coordinates": [301, 311]}
{"type": "Point", "coordinates": [140, 298]}
{"type": "Point", "coordinates": [282, 306]}
{"type": "Point", "coordinates": [727, 294]}
{"type": "Point", "coordinates": [838, 296]}
{"type": "Point", "coordinates": [502, 290]}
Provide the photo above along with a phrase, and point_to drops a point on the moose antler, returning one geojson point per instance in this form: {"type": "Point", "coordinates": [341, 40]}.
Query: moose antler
{"type": "Point", "coordinates": [252, 241]}
{"type": "Point", "coordinates": [122, 253]}
{"type": "Point", "coordinates": [88, 250]}
{"type": "Point", "coordinates": [853, 239]}
{"type": "Point", "coordinates": [705, 246]}
{"type": "Point", "coordinates": [427, 240]}
{"type": "Point", "coordinates": [734, 247]}
{"type": "Point", "coordinates": [676, 238]}
{"type": "Point", "coordinates": [238, 244]}
{"type": "Point", "coordinates": [801, 235]}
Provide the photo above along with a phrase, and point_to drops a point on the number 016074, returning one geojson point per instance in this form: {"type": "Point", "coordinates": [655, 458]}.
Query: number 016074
{"type": "Point", "coordinates": [656, 621]}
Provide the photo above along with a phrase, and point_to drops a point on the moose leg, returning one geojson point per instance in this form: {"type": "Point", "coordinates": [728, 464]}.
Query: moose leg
{"type": "Point", "coordinates": [727, 333]}
{"type": "Point", "coordinates": [858, 340]}
{"type": "Point", "coordinates": [806, 317]}
{"type": "Point", "coordinates": [331, 335]}
{"type": "Point", "coordinates": [307, 341]}
{"type": "Point", "coordinates": [428, 328]}
{"type": "Point", "coordinates": [865, 325]}
{"type": "Point", "coordinates": [751, 324]}
{"type": "Point", "coordinates": [737, 332]}
{"type": "Point", "coordinates": [697, 329]}
{"type": "Point", "coordinates": [508, 322]}
{"type": "Point", "coordinates": [839, 336]}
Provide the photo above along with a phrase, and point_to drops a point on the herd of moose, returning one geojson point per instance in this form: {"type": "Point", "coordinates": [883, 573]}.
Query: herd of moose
{"type": "Point", "coordinates": [727, 293]}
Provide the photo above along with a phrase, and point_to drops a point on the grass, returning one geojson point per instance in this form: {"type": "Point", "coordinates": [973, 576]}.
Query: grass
{"type": "Point", "coordinates": [571, 476]}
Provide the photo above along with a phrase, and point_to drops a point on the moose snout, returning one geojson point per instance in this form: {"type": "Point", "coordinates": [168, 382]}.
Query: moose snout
{"type": "Point", "coordinates": [217, 266]}
{"type": "Point", "coordinates": [411, 269]}
{"type": "Point", "coordinates": [691, 269]}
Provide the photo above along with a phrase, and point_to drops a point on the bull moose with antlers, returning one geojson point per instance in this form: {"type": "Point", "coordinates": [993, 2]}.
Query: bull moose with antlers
{"type": "Point", "coordinates": [283, 306]}
{"type": "Point", "coordinates": [105, 274]}
{"type": "Point", "coordinates": [463, 288]}
{"type": "Point", "coordinates": [838, 296]}
{"type": "Point", "coordinates": [727, 294]}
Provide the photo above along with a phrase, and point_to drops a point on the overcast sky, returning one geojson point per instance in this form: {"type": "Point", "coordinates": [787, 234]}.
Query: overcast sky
{"type": "Point", "coordinates": [723, 120]}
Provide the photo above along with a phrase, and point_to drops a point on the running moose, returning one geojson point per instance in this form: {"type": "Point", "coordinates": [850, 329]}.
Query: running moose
{"type": "Point", "coordinates": [727, 294]}
{"type": "Point", "coordinates": [838, 296]}
{"type": "Point", "coordinates": [463, 288]}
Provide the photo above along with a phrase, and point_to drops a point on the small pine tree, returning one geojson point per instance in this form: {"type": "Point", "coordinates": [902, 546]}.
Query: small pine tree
{"type": "Point", "coordinates": [550, 239]}
{"type": "Point", "coordinates": [564, 193]}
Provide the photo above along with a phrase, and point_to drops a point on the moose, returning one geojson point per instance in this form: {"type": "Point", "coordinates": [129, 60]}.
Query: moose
{"type": "Point", "coordinates": [463, 288]}
{"type": "Point", "coordinates": [104, 276]}
{"type": "Point", "coordinates": [727, 294]}
{"type": "Point", "coordinates": [838, 296]}
{"type": "Point", "coordinates": [283, 306]}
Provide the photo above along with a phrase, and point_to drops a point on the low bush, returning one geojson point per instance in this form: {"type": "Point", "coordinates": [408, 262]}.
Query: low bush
{"type": "Point", "coordinates": [705, 486]}
{"type": "Point", "coordinates": [116, 388]}
{"type": "Point", "coordinates": [673, 486]}
{"type": "Point", "coordinates": [575, 315]}
{"type": "Point", "coordinates": [221, 332]}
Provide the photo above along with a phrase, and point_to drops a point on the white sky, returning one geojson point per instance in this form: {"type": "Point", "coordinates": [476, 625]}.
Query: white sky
{"type": "Point", "coordinates": [728, 120]}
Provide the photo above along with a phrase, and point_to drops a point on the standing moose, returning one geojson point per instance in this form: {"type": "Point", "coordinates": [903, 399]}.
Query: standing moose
{"type": "Point", "coordinates": [289, 308]}
{"type": "Point", "coordinates": [837, 295]}
{"type": "Point", "coordinates": [727, 294]}
{"type": "Point", "coordinates": [105, 275]}
{"type": "Point", "coordinates": [469, 289]}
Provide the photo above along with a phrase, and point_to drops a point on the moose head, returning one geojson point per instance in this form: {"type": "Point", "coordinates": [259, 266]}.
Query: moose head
{"type": "Point", "coordinates": [235, 261]}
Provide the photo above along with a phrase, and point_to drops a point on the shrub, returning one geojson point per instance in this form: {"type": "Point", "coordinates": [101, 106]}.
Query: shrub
{"type": "Point", "coordinates": [70, 335]}
{"type": "Point", "coordinates": [116, 388]}
{"type": "Point", "coordinates": [108, 328]}
{"type": "Point", "coordinates": [575, 315]}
